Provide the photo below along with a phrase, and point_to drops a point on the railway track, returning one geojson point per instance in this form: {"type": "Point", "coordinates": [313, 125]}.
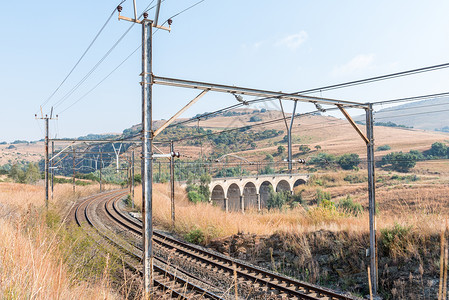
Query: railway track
{"type": "Point", "coordinates": [166, 282]}
{"type": "Point", "coordinates": [263, 280]}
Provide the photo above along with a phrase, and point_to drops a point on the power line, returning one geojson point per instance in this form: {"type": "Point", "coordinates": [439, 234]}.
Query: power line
{"type": "Point", "coordinates": [410, 99]}
{"type": "Point", "coordinates": [82, 56]}
{"type": "Point", "coordinates": [414, 114]}
{"type": "Point", "coordinates": [358, 82]}
{"type": "Point", "coordinates": [67, 95]}
{"type": "Point", "coordinates": [184, 10]}
{"type": "Point", "coordinates": [374, 79]}
{"type": "Point", "coordinates": [101, 81]}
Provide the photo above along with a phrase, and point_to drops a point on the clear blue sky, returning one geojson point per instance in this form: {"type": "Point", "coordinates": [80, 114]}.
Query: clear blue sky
{"type": "Point", "coordinates": [276, 45]}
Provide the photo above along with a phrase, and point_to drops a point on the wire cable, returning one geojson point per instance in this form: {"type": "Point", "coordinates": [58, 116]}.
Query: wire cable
{"type": "Point", "coordinates": [67, 95]}
{"type": "Point", "coordinates": [82, 56]}
{"type": "Point", "coordinates": [101, 81]}
{"type": "Point", "coordinates": [118, 66]}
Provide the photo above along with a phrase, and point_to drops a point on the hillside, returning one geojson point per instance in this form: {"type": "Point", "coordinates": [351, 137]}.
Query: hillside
{"type": "Point", "coordinates": [333, 135]}
{"type": "Point", "coordinates": [427, 114]}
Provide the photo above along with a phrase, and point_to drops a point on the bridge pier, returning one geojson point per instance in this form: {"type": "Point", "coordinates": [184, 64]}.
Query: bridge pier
{"type": "Point", "coordinates": [242, 204]}
{"type": "Point", "coordinates": [226, 204]}
{"type": "Point", "coordinates": [258, 202]}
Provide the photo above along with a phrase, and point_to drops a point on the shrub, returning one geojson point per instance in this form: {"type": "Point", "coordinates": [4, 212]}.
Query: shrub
{"type": "Point", "coordinates": [195, 197]}
{"type": "Point", "coordinates": [355, 178]}
{"type": "Point", "coordinates": [304, 148]}
{"type": "Point", "coordinates": [383, 148]}
{"type": "Point", "coordinates": [255, 119]}
{"type": "Point", "coordinates": [195, 236]}
{"type": "Point", "coordinates": [349, 206]}
{"type": "Point", "coordinates": [277, 199]}
{"type": "Point", "coordinates": [280, 150]}
{"type": "Point", "coordinates": [322, 160]}
{"type": "Point", "coordinates": [269, 157]}
{"type": "Point", "coordinates": [321, 195]}
{"type": "Point", "coordinates": [348, 161]}
{"type": "Point", "coordinates": [394, 240]}
{"type": "Point", "coordinates": [267, 170]}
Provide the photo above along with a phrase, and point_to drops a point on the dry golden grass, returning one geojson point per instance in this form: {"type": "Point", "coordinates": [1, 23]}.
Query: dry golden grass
{"type": "Point", "coordinates": [31, 262]}
{"type": "Point", "coordinates": [418, 207]}
{"type": "Point", "coordinates": [30, 268]}
{"type": "Point", "coordinates": [20, 195]}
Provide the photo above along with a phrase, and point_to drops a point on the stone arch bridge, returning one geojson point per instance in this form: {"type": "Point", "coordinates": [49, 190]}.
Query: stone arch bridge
{"type": "Point", "coordinates": [252, 192]}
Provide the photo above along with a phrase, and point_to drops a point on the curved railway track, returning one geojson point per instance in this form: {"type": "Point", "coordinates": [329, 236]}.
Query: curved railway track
{"type": "Point", "coordinates": [164, 280]}
{"type": "Point", "coordinates": [258, 278]}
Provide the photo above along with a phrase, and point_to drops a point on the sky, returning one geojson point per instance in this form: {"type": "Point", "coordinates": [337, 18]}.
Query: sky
{"type": "Point", "coordinates": [287, 46]}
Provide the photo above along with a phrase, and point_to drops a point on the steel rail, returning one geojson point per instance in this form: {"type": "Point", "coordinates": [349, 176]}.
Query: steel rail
{"type": "Point", "coordinates": [284, 284]}
{"type": "Point", "coordinates": [163, 280]}
{"type": "Point", "coordinates": [114, 213]}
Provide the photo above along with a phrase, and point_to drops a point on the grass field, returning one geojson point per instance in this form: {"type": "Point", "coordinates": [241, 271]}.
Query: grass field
{"type": "Point", "coordinates": [39, 257]}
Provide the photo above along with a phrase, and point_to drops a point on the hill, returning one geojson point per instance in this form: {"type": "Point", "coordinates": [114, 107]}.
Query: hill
{"type": "Point", "coordinates": [427, 114]}
{"type": "Point", "coordinates": [246, 137]}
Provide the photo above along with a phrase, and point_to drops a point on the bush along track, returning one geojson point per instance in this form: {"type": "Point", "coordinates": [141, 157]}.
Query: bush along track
{"type": "Point", "coordinates": [407, 268]}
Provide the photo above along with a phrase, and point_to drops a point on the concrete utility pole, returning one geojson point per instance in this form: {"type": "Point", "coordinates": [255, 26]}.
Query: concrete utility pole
{"type": "Point", "coordinates": [52, 167]}
{"type": "Point", "coordinates": [47, 162]}
{"type": "Point", "coordinates": [147, 154]}
{"type": "Point", "coordinates": [147, 142]}
{"type": "Point", "coordinates": [101, 167]}
{"type": "Point", "coordinates": [132, 179]}
{"type": "Point", "coordinates": [372, 198]}
{"type": "Point", "coordinates": [73, 179]}
{"type": "Point", "coordinates": [172, 184]}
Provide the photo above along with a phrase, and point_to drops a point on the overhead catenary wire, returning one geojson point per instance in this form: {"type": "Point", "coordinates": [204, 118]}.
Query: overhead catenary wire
{"type": "Point", "coordinates": [69, 93]}
{"type": "Point", "coordinates": [101, 81]}
{"type": "Point", "coordinates": [358, 82]}
{"type": "Point", "coordinates": [82, 56]}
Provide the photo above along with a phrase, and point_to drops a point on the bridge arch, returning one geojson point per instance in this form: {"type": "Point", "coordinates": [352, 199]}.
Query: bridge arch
{"type": "Point", "coordinates": [234, 196]}
{"type": "Point", "coordinates": [283, 185]}
{"type": "Point", "coordinates": [218, 196]}
{"type": "Point", "coordinates": [264, 192]}
{"type": "Point", "coordinates": [299, 182]}
{"type": "Point", "coordinates": [250, 196]}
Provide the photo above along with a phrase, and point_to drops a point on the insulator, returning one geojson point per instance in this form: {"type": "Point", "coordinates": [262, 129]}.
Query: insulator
{"type": "Point", "coordinates": [119, 8]}
{"type": "Point", "coordinates": [169, 21]}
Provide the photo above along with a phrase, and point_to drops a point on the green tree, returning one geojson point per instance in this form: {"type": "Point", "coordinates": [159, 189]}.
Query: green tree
{"type": "Point", "coordinates": [16, 173]}
{"type": "Point", "coordinates": [267, 170]}
{"type": "Point", "coordinates": [318, 147]}
{"type": "Point", "coordinates": [438, 149]}
{"type": "Point", "coordinates": [32, 174]}
{"type": "Point", "coordinates": [399, 161]}
{"type": "Point", "coordinates": [205, 180]}
{"type": "Point", "coordinates": [281, 149]}
{"type": "Point", "coordinates": [348, 161]}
